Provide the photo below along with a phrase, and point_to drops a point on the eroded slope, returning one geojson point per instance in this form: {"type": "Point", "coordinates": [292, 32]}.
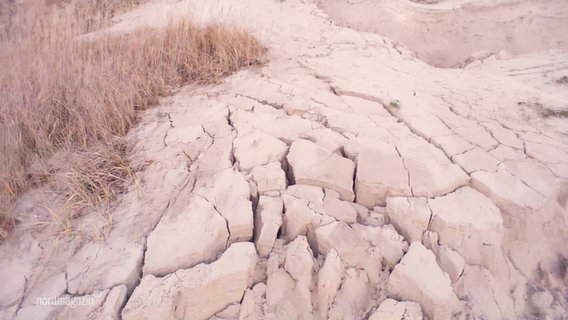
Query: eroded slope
{"type": "Point", "coordinates": [345, 179]}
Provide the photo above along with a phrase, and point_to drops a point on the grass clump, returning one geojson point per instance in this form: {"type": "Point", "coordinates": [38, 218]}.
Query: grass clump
{"type": "Point", "coordinates": [93, 177]}
{"type": "Point", "coordinates": [62, 92]}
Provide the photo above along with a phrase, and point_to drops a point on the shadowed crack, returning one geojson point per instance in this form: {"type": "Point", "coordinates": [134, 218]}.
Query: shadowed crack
{"type": "Point", "coordinates": [120, 307]}
{"type": "Point", "coordinates": [522, 181]}
{"type": "Point", "coordinates": [227, 243]}
{"type": "Point", "coordinates": [451, 107]}
{"type": "Point", "coordinates": [312, 115]}
{"type": "Point", "coordinates": [27, 278]}
{"type": "Point", "coordinates": [26, 284]}
{"type": "Point", "coordinates": [277, 106]}
{"type": "Point", "coordinates": [407, 171]}
{"type": "Point", "coordinates": [233, 129]}
{"type": "Point", "coordinates": [168, 130]}
{"type": "Point", "coordinates": [461, 153]}
{"type": "Point", "coordinates": [431, 214]}
{"type": "Point", "coordinates": [340, 92]}
{"type": "Point", "coordinates": [289, 173]}
{"type": "Point", "coordinates": [84, 271]}
{"type": "Point", "coordinates": [162, 215]}
{"type": "Point", "coordinates": [207, 133]}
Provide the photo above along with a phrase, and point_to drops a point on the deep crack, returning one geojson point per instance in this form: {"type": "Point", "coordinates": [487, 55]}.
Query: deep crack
{"type": "Point", "coordinates": [407, 171]}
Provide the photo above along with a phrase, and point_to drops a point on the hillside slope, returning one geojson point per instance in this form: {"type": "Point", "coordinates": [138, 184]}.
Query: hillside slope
{"type": "Point", "coordinates": [345, 179]}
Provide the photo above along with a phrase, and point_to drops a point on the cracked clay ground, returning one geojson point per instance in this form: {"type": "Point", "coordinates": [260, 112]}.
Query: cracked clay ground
{"type": "Point", "coordinates": [345, 179]}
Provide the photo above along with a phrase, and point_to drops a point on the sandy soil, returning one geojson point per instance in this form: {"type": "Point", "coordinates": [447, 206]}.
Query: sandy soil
{"type": "Point", "coordinates": [446, 33]}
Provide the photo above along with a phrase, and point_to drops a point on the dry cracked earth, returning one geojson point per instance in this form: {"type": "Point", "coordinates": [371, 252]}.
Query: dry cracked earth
{"type": "Point", "coordinates": [345, 179]}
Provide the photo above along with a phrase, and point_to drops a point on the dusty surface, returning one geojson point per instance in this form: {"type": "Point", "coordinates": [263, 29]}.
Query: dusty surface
{"type": "Point", "coordinates": [346, 179]}
{"type": "Point", "coordinates": [450, 33]}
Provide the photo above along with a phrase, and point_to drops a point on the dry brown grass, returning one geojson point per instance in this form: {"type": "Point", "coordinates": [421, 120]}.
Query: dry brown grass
{"type": "Point", "coordinates": [61, 92]}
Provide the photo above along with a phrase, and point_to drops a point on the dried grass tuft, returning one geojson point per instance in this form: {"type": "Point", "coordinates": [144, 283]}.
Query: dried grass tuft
{"type": "Point", "coordinates": [61, 92]}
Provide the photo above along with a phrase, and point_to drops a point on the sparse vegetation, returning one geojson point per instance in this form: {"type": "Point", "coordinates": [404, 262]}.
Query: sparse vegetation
{"type": "Point", "coordinates": [544, 111]}
{"type": "Point", "coordinates": [66, 94]}
{"type": "Point", "coordinates": [394, 104]}
{"type": "Point", "coordinates": [562, 80]}
{"type": "Point", "coordinates": [548, 113]}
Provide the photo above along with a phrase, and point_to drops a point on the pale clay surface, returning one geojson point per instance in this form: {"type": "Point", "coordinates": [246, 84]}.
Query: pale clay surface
{"type": "Point", "coordinates": [345, 179]}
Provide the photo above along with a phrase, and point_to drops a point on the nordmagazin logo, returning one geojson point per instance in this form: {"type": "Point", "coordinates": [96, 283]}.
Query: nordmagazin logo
{"type": "Point", "coordinates": [65, 301]}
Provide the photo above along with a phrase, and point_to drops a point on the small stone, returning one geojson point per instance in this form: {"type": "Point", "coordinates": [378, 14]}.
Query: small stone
{"type": "Point", "coordinates": [410, 216]}
{"type": "Point", "coordinates": [377, 217]}
{"type": "Point", "coordinates": [298, 217]}
{"type": "Point", "coordinates": [340, 210]}
{"type": "Point", "coordinates": [362, 211]}
{"type": "Point", "coordinates": [268, 222]}
{"type": "Point", "coordinates": [430, 240]}
{"type": "Point", "coordinates": [419, 278]}
{"type": "Point", "coordinates": [314, 165]}
{"type": "Point", "coordinates": [351, 248]}
{"type": "Point", "coordinates": [391, 244]}
{"type": "Point", "coordinates": [299, 261]}
{"type": "Point", "coordinates": [269, 178]}
{"type": "Point", "coordinates": [330, 277]}
{"type": "Point", "coordinates": [258, 148]}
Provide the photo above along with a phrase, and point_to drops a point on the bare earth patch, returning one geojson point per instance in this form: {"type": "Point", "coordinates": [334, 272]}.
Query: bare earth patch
{"type": "Point", "coordinates": [348, 177]}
